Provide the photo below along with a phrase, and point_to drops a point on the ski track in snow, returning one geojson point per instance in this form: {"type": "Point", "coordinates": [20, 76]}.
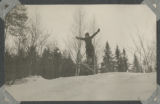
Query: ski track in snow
{"type": "Point", "coordinates": [99, 87]}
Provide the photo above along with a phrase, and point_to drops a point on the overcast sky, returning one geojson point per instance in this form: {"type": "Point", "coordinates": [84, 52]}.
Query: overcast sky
{"type": "Point", "coordinates": [118, 23]}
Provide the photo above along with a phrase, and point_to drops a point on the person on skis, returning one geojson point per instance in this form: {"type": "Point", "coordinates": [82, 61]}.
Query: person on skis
{"type": "Point", "coordinates": [90, 52]}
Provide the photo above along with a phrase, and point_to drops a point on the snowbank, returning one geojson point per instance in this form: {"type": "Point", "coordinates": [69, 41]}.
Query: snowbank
{"type": "Point", "coordinates": [107, 86]}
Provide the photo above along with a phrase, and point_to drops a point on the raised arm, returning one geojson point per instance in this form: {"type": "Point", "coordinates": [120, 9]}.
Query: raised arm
{"type": "Point", "coordinates": [80, 38]}
{"type": "Point", "coordinates": [95, 33]}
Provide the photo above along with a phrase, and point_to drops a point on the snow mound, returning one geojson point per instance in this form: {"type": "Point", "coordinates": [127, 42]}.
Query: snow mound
{"type": "Point", "coordinates": [99, 87]}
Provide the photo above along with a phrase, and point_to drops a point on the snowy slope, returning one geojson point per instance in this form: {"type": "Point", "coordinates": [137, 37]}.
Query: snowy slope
{"type": "Point", "coordinates": [107, 86]}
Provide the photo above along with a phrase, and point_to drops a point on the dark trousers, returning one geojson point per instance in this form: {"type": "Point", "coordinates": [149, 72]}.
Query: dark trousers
{"type": "Point", "coordinates": [90, 54]}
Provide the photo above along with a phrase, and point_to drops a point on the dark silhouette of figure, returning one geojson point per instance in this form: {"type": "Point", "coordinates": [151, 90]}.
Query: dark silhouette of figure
{"type": "Point", "coordinates": [90, 52]}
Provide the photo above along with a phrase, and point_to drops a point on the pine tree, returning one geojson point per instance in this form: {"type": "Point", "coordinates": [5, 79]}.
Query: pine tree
{"type": "Point", "coordinates": [125, 61]}
{"type": "Point", "coordinates": [46, 72]}
{"type": "Point", "coordinates": [136, 65]}
{"type": "Point", "coordinates": [50, 63]}
{"type": "Point", "coordinates": [108, 59]}
{"type": "Point", "coordinates": [57, 57]}
{"type": "Point", "coordinates": [118, 62]}
{"type": "Point", "coordinates": [67, 66]}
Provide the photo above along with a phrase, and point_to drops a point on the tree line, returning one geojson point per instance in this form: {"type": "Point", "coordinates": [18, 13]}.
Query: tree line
{"type": "Point", "coordinates": [118, 62]}
{"type": "Point", "coordinates": [55, 63]}
{"type": "Point", "coordinates": [52, 64]}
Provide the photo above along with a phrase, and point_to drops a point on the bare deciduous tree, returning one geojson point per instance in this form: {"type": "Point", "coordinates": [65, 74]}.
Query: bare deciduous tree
{"type": "Point", "coordinates": [146, 53]}
{"type": "Point", "coordinates": [75, 46]}
{"type": "Point", "coordinates": [37, 37]}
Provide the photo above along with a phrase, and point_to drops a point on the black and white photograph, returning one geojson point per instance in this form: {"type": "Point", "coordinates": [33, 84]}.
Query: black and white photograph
{"type": "Point", "coordinates": [80, 52]}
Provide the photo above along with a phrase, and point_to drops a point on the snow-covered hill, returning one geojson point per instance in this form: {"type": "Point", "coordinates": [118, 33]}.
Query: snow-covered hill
{"type": "Point", "coordinates": [107, 86]}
